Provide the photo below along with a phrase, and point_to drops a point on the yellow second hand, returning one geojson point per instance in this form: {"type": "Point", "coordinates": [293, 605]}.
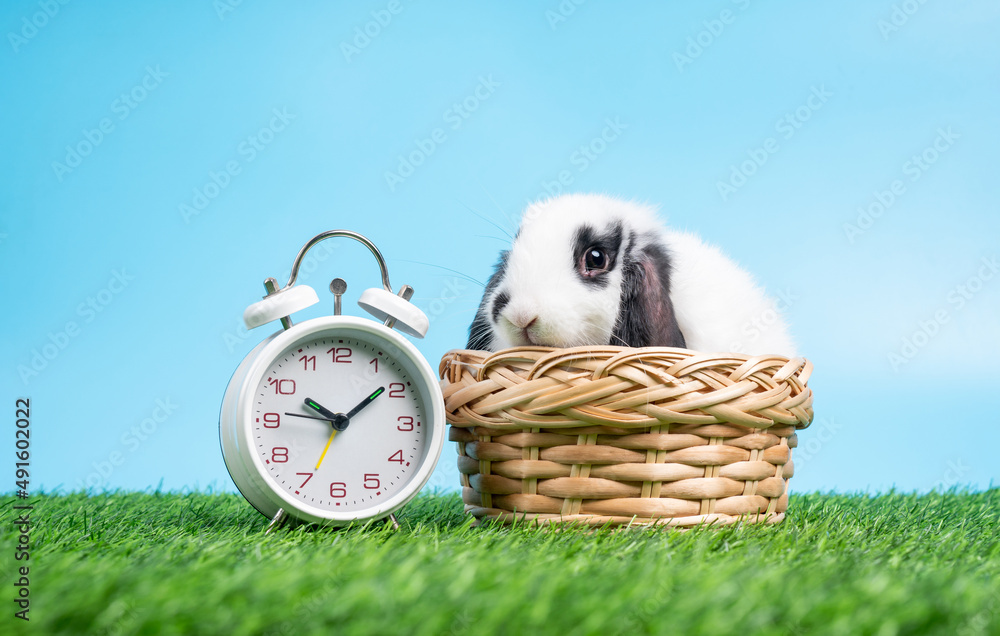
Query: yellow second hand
{"type": "Point", "coordinates": [332, 435]}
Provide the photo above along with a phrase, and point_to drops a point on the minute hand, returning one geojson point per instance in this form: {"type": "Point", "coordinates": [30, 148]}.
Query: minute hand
{"type": "Point", "coordinates": [368, 400]}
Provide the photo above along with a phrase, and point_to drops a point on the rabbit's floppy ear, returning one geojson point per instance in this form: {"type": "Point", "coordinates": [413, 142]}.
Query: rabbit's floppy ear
{"type": "Point", "coordinates": [481, 331]}
{"type": "Point", "coordinates": [646, 316]}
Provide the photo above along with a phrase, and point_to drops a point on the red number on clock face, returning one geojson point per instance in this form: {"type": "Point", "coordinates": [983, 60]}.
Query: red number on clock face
{"type": "Point", "coordinates": [338, 490]}
{"type": "Point", "coordinates": [341, 354]}
{"type": "Point", "coordinates": [396, 390]}
{"type": "Point", "coordinates": [282, 387]}
{"type": "Point", "coordinates": [279, 454]}
{"type": "Point", "coordinates": [397, 457]}
{"type": "Point", "coordinates": [405, 423]}
{"type": "Point", "coordinates": [271, 420]}
{"type": "Point", "coordinates": [371, 481]}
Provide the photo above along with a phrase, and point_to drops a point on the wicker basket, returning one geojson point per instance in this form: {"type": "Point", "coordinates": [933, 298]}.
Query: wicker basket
{"type": "Point", "coordinates": [622, 436]}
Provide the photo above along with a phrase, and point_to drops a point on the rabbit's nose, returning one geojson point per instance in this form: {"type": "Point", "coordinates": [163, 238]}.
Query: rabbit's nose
{"type": "Point", "coordinates": [522, 319]}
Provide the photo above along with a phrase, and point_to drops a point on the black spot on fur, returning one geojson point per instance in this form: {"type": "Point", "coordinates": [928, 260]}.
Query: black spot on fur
{"type": "Point", "coordinates": [498, 304]}
{"type": "Point", "coordinates": [481, 331]}
{"type": "Point", "coordinates": [646, 317]}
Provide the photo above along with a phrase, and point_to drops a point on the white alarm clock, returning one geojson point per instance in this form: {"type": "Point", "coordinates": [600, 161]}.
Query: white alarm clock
{"type": "Point", "coordinates": [336, 419]}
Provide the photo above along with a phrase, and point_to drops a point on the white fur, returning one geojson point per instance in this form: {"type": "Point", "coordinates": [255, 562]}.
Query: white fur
{"type": "Point", "coordinates": [719, 307]}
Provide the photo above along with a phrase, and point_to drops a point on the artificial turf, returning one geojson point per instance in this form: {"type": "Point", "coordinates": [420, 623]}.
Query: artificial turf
{"type": "Point", "coordinates": [162, 563]}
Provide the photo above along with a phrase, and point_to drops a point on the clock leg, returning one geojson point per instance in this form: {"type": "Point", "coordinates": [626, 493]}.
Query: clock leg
{"type": "Point", "coordinates": [392, 520]}
{"type": "Point", "coordinates": [279, 518]}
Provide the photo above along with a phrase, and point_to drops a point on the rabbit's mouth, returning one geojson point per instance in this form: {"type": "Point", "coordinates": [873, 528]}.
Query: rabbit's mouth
{"type": "Point", "coordinates": [528, 336]}
{"type": "Point", "coordinates": [532, 338]}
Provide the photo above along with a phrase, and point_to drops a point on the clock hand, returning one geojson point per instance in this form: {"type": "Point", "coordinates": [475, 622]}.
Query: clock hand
{"type": "Point", "coordinates": [340, 421]}
{"type": "Point", "coordinates": [330, 441]}
{"type": "Point", "coordinates": [368, 400]}
{"type": "Point", "coordinates": [325, 412]}
{"type": "Point", "coordinates": [310, 417]}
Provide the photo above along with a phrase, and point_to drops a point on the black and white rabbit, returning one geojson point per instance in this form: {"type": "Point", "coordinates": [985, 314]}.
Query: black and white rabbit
{"type": "Point", "coordinates": [594, 270]}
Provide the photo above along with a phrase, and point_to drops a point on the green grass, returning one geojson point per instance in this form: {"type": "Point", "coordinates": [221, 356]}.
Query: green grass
{"type": "Point", "coordinates": [199, 564]}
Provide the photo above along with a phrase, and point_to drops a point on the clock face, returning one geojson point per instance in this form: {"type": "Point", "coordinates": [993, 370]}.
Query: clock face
{"type": "Point", "coordinates": [339, 422]}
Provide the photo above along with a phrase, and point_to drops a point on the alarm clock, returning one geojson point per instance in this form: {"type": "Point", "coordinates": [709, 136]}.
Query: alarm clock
{"type": "Point", "coordinates": [337, 419]}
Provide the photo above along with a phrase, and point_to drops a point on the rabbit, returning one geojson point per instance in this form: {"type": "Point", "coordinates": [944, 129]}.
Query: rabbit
{"type": "Point", "coordinates": [589, 269]}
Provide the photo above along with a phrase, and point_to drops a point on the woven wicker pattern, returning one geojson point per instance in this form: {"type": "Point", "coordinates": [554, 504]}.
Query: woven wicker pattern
{"type": "Point", "coordinates": [623, 436]}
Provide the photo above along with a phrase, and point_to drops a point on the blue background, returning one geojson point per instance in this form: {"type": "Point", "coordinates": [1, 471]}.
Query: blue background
{"type": "Point", "coordinates": [688, 96]}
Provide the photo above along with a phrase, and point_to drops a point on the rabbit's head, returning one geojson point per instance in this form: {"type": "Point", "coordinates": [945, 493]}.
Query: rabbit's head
{"type": "Point", "coordinates": [583, 270]}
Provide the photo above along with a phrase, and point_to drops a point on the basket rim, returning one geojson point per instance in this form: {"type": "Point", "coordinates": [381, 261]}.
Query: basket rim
{"type": "Point", "coordinates": [619, 355]}
{"type": "Point", "coordinates": [755, 391]}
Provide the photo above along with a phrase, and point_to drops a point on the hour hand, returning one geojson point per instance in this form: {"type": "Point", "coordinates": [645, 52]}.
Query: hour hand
{"type": "Point", "coordinates": [322, 410]}
{"type": "Point", "coordinates": [339, 420]}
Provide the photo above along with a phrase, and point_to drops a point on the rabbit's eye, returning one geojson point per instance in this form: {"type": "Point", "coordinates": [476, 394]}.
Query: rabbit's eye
{"type": "Point", "coordinates": [596, 260]}
{"type": "Point", "coordinates": [595, 253]}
